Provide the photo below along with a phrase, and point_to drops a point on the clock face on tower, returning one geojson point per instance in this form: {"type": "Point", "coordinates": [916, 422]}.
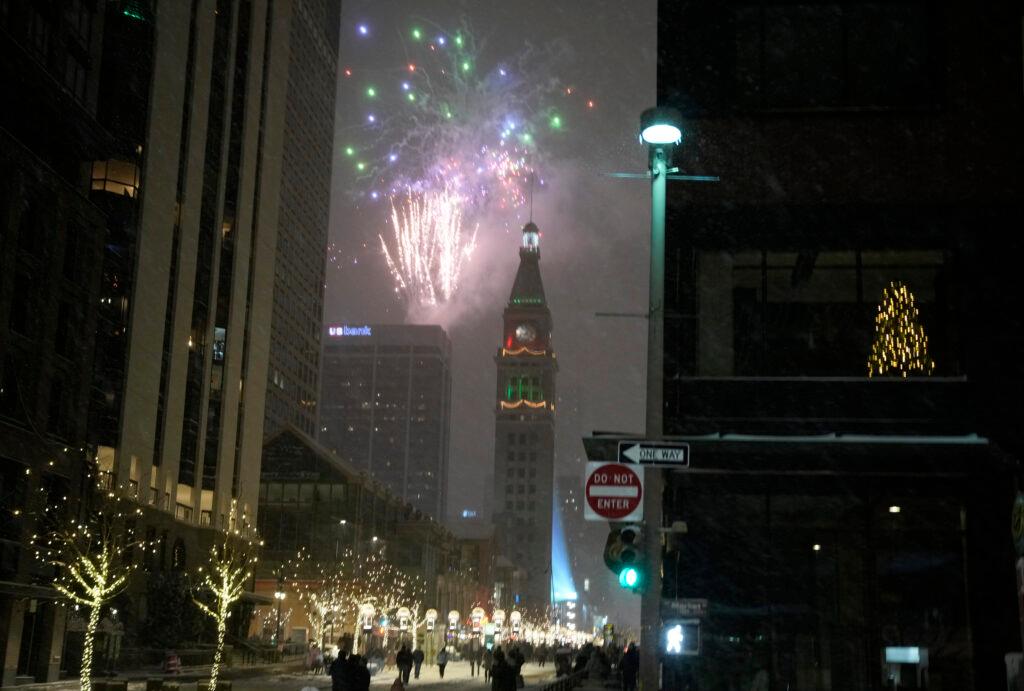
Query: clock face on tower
{"type": "Point", "coordinates": [525, 333]}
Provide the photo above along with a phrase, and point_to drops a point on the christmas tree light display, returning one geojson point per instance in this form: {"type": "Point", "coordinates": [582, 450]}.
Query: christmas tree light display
{"type": "Point", "coordinates": [92, 556]}
{"type": "Point", "coordinates": [228, 567]}
{"type": "Point", "coordinates": [900, 345]}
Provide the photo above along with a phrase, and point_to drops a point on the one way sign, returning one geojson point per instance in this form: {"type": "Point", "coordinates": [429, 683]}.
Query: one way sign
{"type": "Point", "coordinates": [663, 453]}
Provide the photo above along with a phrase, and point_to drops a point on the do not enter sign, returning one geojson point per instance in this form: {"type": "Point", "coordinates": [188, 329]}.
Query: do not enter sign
{"type": "Point", "coordinates": [614, 492]}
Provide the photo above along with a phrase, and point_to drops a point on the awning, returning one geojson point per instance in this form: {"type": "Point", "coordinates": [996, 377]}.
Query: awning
{"type": "Point", "coordinates": [28, 590]}
{"type": "Point", "coordinates": [257, 599]}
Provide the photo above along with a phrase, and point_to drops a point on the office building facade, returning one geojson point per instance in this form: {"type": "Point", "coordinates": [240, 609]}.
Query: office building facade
{"type": "Point", "coordinates": [850, 524]}
{"type": "Point", "coordinates": [166, 119]}
{"type": "Point", "coordinates": [297, 320]}
{"type": "Point", "coordinates": [386, 407]}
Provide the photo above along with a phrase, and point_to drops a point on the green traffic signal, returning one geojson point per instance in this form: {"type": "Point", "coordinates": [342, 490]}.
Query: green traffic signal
{"type": "Point", "coordinates": [629, 577]}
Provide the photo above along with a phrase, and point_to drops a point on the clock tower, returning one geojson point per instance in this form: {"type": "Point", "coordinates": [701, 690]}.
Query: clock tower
{"type": "Point", "coordinates": [524, 442]}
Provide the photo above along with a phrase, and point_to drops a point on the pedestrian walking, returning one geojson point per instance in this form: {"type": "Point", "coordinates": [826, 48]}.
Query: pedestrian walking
{"type": "Point", "coordinates": [516, 660]}
{"type": "Point", "coordinates": [470, 655]}
{"type": "Point", "coordinates": [359, 675]}
{"type": "Point", "coordinates": [486, 661]}
{"type": "Point", "coordinates": [630, 667]}
{"type": "Point", "coordinates": [404, 661]}
{"type": "Point", "coordinates": [417, 662]}
{"type": "Point", "coordinates": [341, 672]}
{"type": "Point", "coordinates": [503, 675]}
{"type": "Point", "coordinates": [442, 660]}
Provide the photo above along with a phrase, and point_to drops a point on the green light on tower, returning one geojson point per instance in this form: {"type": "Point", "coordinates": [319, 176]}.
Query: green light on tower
{"type": "Point", "coordinates": [466, 66]}
{"type": "Point", "coordinates": [349, 151]}
{"type": "Point", "coordinates": [360, 166]}
{"type": "Point", "coordinates": [556, 122]}
{"type": "Point", "coordinates": [371, 92]}
{"type": "Point", "coordinates": [417, 34]}
{"type": "Point", "coordinates": [458, 40]}
{"type": "Point", "coordinates": [411, 97]}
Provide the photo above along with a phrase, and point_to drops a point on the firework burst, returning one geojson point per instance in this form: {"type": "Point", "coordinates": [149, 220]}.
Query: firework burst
{"type": "Point", "coordinates": [449, 133]}
{"type": "Point", "coordinates": [429, 246]}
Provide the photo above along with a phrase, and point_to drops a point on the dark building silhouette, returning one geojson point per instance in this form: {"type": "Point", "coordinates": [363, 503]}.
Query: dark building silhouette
{"type": "Point", "coordinates": [144, 162]}
{"type": "Point", "coordinates": [524, 436]}
{"type": "Point", "coordinates": [51, 248]}
{"type": "Point", "coordinates": [849, 532]}
{"type": "Point", "coordinates": [387, 392]}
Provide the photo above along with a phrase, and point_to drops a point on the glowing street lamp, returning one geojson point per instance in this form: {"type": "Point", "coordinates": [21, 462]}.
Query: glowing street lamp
{"type": "Point", "coordinates": [431, 618]}
{"type": "Point", "coordinates": [661, 126]}
{"type": "Point", "coordinates": [403, 614]}
{"type": "Point", "coordinates": [279, 595]}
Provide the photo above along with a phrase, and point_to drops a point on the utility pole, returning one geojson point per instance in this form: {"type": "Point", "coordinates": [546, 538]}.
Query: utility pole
{"type": "Point", "coordinates": [650, 599]}
{"type": "Point", "coordinates": [661, 130]}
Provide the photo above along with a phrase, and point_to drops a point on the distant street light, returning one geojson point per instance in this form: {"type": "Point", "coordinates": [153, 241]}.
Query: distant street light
{"type": "Point", "coordinates": [279, 595]}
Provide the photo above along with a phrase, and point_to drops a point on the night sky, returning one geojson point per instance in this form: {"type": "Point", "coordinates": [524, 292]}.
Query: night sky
{"type": "Point", "coordinates": [594, 247]}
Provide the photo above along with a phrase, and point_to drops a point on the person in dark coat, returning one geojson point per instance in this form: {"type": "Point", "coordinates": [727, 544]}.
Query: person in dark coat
{"type": "Point", "coordinates": [442, 660]}
{"type": "Point", "coordinates": [404, 662]}
{"type": "Point", "coordinates": [417, 662]}
{"type": "Point", "coordinates": [360, 676]}
{"type": "Point", "coordinates": [630, 666]}
{"type": "Point", "coordinates": [516, 660]}
{"type": "Point", "coordinates": [487, 662]}
{"type": "Point", "coordinates": [503, 675]}
{"type": "Point", "coordinates": [341, 676]}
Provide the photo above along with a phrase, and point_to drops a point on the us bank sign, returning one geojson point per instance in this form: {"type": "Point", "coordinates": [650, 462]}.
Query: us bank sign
{"type": "Point", "coordinates": [337, 331]}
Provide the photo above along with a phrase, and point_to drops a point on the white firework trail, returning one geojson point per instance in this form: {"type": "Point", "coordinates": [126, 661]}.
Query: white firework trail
{"type": "Point", "coordinates": [430, 247]}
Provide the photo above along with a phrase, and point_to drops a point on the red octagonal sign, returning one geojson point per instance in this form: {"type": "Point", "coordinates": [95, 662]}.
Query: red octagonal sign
{"type": "Point", "coordinates": [614, 492]}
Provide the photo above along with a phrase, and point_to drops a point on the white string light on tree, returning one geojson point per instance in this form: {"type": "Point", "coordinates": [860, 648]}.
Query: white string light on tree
{"type": "Point", "coordinates": [228, 567]}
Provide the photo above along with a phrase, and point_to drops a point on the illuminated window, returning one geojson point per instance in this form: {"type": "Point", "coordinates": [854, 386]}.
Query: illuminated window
{"type": "Point", "coordinates": [117, 177]}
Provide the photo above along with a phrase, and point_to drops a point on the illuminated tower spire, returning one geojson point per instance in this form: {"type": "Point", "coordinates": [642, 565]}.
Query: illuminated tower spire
{"type": "Point", "coordinates": [524, 447]}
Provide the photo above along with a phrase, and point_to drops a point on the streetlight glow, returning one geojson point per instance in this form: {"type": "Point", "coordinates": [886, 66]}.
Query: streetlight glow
{"type": "Point", "coordinates": [661, 126]}
{"type": "Point", "coordinates": [661, 134]}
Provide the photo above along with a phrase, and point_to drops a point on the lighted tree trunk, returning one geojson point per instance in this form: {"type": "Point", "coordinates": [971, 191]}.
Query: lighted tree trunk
{"type": "Point", "coordinates": [222, 626]}
{"type": "Point", "coordinates": [85, 675]}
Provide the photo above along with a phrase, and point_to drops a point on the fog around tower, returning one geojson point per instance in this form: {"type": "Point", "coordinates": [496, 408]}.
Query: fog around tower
{"type": "Point", "coordinates": [594, 258]}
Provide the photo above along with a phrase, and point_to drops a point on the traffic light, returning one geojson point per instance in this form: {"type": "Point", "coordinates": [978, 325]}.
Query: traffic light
{"type": "Point", "coordinates": [623, 554]}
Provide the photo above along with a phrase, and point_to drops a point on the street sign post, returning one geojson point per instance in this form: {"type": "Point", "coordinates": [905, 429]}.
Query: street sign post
{"type": "Point", "coordinates": [667, 454]}
{"type": "Point", "coordinates": [614, 492]}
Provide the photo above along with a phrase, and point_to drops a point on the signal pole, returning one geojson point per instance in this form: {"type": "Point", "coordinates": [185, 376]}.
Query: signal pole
{"type": "Point", "coordinates": [650, 601]}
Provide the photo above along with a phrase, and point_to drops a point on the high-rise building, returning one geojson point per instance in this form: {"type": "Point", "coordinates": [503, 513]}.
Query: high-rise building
{"type": "Point", "coordinates": [167, 121]}
{"type": "Point", "coordinates": [524, 431]}
{"type": "Point", "coordinates": [849, 526]}
{"type": "Point", "coordinates": [51, 246]}
{"type": "Point", "coordinates": [195, 94]}
{"type": "Point", "coordinates": [307, 141]}
{"type": "Point", "coordinates": [386, 407]}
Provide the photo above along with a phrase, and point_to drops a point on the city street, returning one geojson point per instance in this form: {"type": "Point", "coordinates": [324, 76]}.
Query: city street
{"type": "Point", "coordinates": [456, 677]}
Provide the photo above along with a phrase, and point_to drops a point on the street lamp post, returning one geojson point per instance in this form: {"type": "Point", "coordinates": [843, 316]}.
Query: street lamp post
{"type": "Point", "coordinates": [279, 595]}
{"type": "Point", "coordinates": [660, 129]}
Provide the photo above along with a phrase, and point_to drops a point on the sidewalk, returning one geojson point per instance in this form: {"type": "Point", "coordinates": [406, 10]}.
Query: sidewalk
{"type": "Point", "coordinates": [136, 678]}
